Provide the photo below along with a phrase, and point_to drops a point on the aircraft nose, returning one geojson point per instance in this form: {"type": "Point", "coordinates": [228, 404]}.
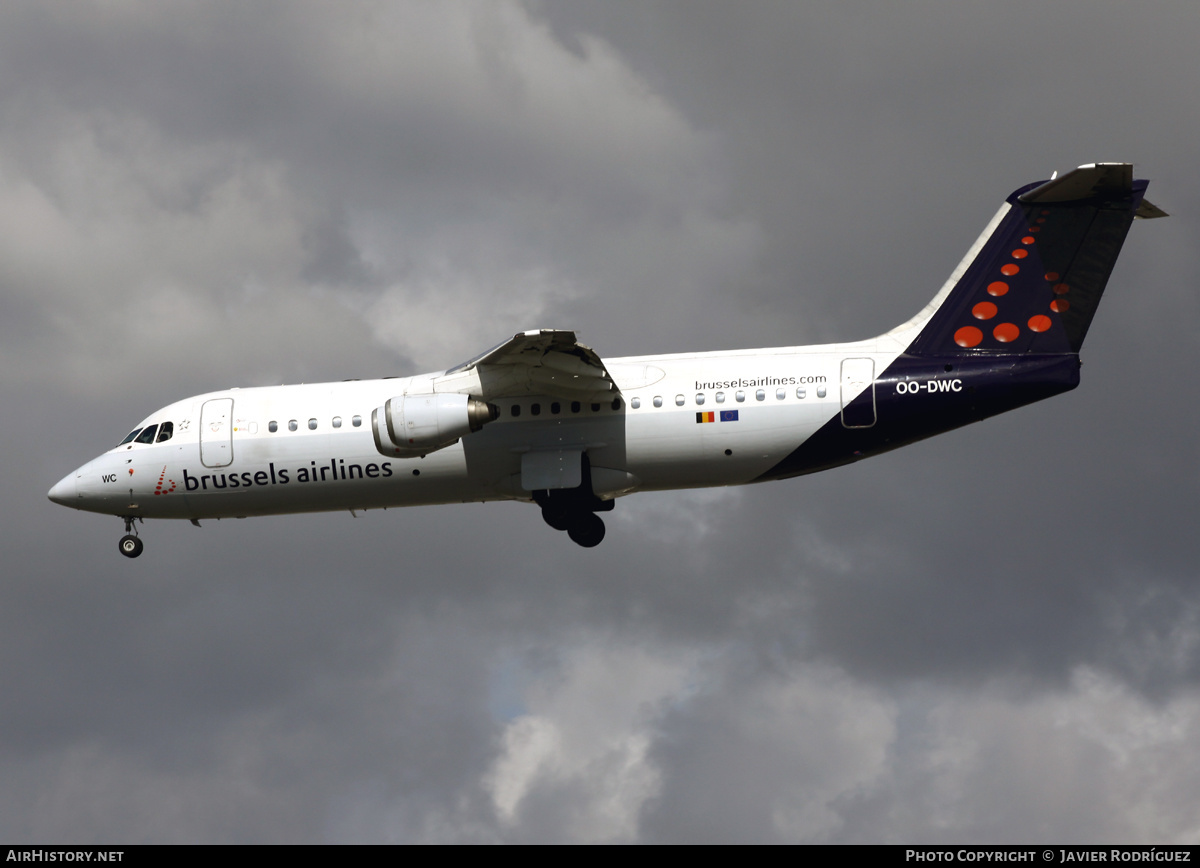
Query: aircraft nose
{"type": "Point", "coordinates": [64, 491]}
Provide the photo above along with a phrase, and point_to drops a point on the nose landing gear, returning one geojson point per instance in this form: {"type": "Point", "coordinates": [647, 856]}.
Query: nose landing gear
{"type": "Point", "coordinates": [130, 545]}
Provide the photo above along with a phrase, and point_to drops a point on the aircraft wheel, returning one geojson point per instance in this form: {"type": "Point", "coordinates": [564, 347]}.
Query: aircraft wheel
{"type": "Point", "coordinates": [130, 546]}
{"type": "Point", "coordinates": [556, 518]}
{"type": "Point", "coordinates": [587, 530]}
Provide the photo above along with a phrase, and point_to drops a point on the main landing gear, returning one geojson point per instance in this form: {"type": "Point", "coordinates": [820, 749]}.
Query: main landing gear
{"type": "Point", "coordinates": [130, 545]}
{"type": "Point", "coordinates": [584, 528]}
{"type": "Point", "coordinates": [574, 510]}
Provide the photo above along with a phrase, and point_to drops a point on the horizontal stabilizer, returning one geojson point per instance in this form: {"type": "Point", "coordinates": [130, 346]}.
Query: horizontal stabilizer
{"type": "Point", "coordinates": [1148, 211]}
{"type": "Point", "coordinates": [1097, 180]}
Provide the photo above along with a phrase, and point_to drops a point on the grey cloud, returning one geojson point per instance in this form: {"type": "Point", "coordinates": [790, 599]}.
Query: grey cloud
{"type": "Point", "coordinates": [990, 636]}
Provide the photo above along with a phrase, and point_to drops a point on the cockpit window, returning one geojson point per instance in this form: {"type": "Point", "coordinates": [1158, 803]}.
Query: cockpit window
{"type": "Point", "coordinates": [130, 436]}
{"type": "Point", "coordinates": [165, 430]}
{"type": "Point", "coordinates": [147, 435]}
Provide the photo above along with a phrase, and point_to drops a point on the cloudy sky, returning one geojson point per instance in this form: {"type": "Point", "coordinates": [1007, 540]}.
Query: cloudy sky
{"type": "Point", "coordinates": [991, 636]}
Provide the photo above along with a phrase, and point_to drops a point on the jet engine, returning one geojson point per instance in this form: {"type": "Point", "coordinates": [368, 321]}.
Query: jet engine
{"type": "Point", "coordinates": [412, 425]}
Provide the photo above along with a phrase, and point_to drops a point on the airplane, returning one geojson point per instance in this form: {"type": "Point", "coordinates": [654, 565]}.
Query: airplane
{"type": "Point", "coordinates": [541, 418]}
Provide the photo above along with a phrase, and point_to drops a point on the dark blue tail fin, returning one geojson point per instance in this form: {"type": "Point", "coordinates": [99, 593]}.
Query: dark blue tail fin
{"type": "Point", "coordinates": [1035, 282]}
{"type": "Point", "coordinates": [1005, 329]}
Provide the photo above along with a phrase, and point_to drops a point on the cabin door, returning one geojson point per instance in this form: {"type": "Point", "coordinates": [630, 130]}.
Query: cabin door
{"type": "Point", "coordinates": [858, 382]}
{"type": "Point", "coordinates": [216, 432]}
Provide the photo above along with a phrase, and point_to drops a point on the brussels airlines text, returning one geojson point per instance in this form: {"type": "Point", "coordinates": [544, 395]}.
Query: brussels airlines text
{"type": "Point", "coordinates": [337, 469]}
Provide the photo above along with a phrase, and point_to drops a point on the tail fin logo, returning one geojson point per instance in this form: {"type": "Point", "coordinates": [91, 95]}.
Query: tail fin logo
{"type": "Point", "coordinates": [1017, 305]}
{"type": "Point", "coordinates": [1033, 282]}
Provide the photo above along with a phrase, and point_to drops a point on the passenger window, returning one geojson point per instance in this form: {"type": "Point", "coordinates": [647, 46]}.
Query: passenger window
{"type": "Point", "coordinates": [780, 394]}
{"type": "Point", "coordinates": [658, 400]}
{"type": "Point", "coordinates": [535, 409]}
{"type": "Point", "coordinates": [595, 408]}
{"type": "Point", "coordinates": [556, 408]}
{"type": "Point", "coordinates": [576, 406]}
{"type": "Point", "coordinates": [760, 395]}
{"type": "Point", "coordinates": [337, 421]}
{"type": "Point", "coordinates": [272, 426]}
{"type": "Point", "coordinates": [635, 403]}
{"type": "Point", "coordinates": [679, 400]}
{"type": "Point", "coordinates": [515, 409]}
{"type": "Point", "coordinates": [147, 435]}
{"type": "Point", "coordinates": [292, 426]}
{"type": "Point", "coordinates": [820, 391]}
{"type": "Point", "coordinates": [699, 397]}
{"type": "Point", "coordinates": [129, 437]}
{"type": "Point", "coordinates": [356, 421]}
{"type": "Point", "coordinates": [740, 396]}
{"type": "Point", "coordinates": [720, 396]}
{"type": "Point", "coordinates": [616, 403]}
{"type": "Point", "coordinates": [165, 431]}
{"type": "Point", "coordinates": [312, 424]}
{"type": "Point", "coordinates": [800, 393]}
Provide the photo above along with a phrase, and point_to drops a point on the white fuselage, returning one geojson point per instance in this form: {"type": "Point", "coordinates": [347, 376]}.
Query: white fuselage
{"type": "Point", "coordinates": [323, 454]}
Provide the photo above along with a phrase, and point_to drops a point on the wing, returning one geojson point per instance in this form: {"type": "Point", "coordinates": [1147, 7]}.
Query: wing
{"type": "Point", "coordinates": [540, 362]}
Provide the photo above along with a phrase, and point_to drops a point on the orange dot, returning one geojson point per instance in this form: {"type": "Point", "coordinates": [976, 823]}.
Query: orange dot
{"type": "Point", "coordinates": [984, 310]}
{"type": "Point", "coordinates": [998, 288]}
{"type": "Point", "coordinates": [1046, 211]}
{"type": "Point", "coordinates": [1009, 270]}
{"type": "Point", "coordinates": [1028, 239]}
{"type": "Point", "coordinates": [1060, 305]}
{"type": "Point", "coordinates": [1061, 289]}
{"type": "Point", "coordinates": [1020, 254]}
{"type": "Point", "coordinates": [1041, 220]}
{"type": "Point", "coordinates": [1039, 323]}
{"type": "Point", "coordinates": [1052, 275]}
{"type": "Point", "coordinates": [1035, 228]}
{"type": "Point", "coordinates": [968, 336]}
{"type": "Point", "coordinates": [1006, 332]}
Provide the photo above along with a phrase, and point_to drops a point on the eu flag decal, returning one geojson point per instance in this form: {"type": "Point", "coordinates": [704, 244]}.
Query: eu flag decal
{"type": "Point", "coordinates": [706, 417]}
{"type": "Point", "coordinates": [729, 415]}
